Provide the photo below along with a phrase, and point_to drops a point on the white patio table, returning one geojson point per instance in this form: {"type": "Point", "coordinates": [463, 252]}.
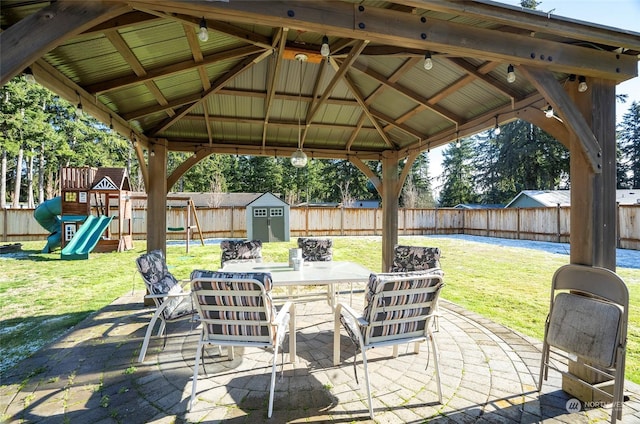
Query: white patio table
{"type": "Point", "coordinates": [329, 273]}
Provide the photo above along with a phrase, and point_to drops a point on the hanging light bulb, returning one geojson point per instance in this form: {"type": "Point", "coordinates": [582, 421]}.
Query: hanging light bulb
{"type": "Point", "coordinates": [496, 129]}
{"type": "Point", "coordinates": [203, 32]}
{"type": "Point", "coordinates": [582, 84]}
{"type": "Point", "coordinates": [458, 143]}
{"type": "Point", "coordinates": [548, 112]}
{"type": "Point", "coordinates": [511, 75]}
{"type": "Point", "coordinates": [325, 51]}
{"type": "Point", "coordinates": [428, 63]}
{"type": "Point", "coordinates": [299, 158]}
{"type": "Point", "coordinates": [28, 76]}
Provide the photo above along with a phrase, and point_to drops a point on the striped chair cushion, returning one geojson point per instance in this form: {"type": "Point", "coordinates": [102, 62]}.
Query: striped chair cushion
{"type": "Point", "coordinates": [415, 258]}
{"type": "Point", "coordinates": [386, 284]}
{"type": "Point", "coordinates": [235, 298]}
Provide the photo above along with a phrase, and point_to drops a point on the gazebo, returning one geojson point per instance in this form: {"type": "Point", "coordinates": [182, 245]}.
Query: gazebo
{"type": "Point", "coordinates": [357, 80]}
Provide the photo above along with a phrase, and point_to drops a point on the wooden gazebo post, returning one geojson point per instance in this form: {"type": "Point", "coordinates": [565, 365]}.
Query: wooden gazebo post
{"type": "Point", "coordinates": [593, 204]}
{"type": "Point", "coordinates": [157, 200]}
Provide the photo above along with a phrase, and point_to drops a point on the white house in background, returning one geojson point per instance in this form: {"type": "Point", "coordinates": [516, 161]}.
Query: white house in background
{"type": "Point", "coordinates": [553, 198]}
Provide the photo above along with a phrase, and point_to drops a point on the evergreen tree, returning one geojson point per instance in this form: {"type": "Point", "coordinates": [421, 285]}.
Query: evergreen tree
{"type": "Point", "coordinates": [458, 173]}
{"type": "Point", "coordinates": [629, 141]}
{"type": "Point", "coordinates": [417, 192]}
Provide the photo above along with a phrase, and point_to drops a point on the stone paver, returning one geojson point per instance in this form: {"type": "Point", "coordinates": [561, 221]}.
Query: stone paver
{"type": "Point", "coordinates": [489, 375]}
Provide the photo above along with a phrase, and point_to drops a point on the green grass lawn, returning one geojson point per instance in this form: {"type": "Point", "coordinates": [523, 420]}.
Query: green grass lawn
{"type": "Point", "coordinates": [41, 296]}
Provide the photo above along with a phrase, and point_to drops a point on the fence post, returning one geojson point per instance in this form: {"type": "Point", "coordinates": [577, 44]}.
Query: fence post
{"type": "Point", "coordinates": [233, 212]}
{"type": "Point", "coordinates": [341, 220]}
{"type": "Point", "coordinates": [618, 225]}
{"type": "Point", "coordinates": [518, 223]}
{"type": "Point", "coordinates": [487, 222]}
{"type": "Point", "coordinates": [5, 226]}
{"type": "Point", "coordinates": [558, 221]}
{"type": "Point", "coordinates": [435, 221]}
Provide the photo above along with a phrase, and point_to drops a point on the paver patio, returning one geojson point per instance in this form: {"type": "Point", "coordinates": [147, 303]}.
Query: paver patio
{"type": "Point", "coordinates": [489, 375]}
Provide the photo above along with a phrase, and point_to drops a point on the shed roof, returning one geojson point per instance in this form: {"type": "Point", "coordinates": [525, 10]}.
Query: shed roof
{"type": "Point", "coordinates": [563, 197]}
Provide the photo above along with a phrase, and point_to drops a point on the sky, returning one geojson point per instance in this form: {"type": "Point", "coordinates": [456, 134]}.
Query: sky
{"type": "Point", "coordinates": [622, 14]}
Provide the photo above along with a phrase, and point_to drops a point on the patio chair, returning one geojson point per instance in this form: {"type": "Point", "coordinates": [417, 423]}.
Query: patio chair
{"type": "Point", "coordinates": [240, 251]}
{"type": "Point", "coordinates": [236, 309]}
{"type": "Point", "coordinates": [319, 250]}
{"type": "Point", "coordinates": [416, 258]}
{"type": "Point", "coordinates": [587, 325]}
{"type": "Point", "coordinates": [397, 310]}
{"type": "Point", "coordinates": [172, 302]}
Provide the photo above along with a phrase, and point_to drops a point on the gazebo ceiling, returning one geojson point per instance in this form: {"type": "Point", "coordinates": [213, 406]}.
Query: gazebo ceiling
{"type": "Point", "coordinates": [140, 67]}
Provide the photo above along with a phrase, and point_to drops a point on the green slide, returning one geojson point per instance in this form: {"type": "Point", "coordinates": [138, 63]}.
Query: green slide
{"type": "Point", "coordinates": [86, 238]}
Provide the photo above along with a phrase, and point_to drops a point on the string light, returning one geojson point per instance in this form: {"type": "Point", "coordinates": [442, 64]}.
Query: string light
{"type": "Point", "coordinates": [325, 51]}
{"type": "Point", "coordinates": [428, 62]}
{"type": "Point", "coordinates": [548, 112]}
{"type": "Point", "coordinates": [203, 32]}
{"type": "Point", "coordinates": [582, 84]}
{"type": "Point", "coordinates": [496, 129]}
{"type": "Point", "coordinates": [511, 75]}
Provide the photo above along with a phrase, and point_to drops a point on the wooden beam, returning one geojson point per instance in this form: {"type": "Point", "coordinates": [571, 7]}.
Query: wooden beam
{"type": "Point", "coordinates": [545, 83]}
{"type": "Point", "coordinates": [403, 29]}
{"type": "Point", "coordinates": [389, 208]}
{"type": "Point", "coordinates": [411, 95]}
{"type": "Point", "coordinates": [358, 96]}
{"type": "Point", "coordinates": [237, 148]}
{"type": "Point", "coordinates": [375, 180]}
{"type": "Point", "coordinates": [157, 197]}
{"type": "Point", "coordinates": [533, 21]}
{"type": "Point", "coordinates": [26, 41]}
{"type": "Point", "coordinates": [281, 40]}
{"type": "Point", "coordinates": [394, 77]}
{"type": "Point", "coordinates": [340, 73]}
{"type": "Point", "coordinates": [497, 85]}
{"type": "Point", "coordinates": [175, 68]}
{"type": "Point", "coordinates": [51, 78]}
{"type": "Point", "coordinates": [219, 83]}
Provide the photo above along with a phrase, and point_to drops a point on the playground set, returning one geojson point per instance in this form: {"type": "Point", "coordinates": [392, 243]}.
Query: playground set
{"type": "Point", "coordinates": [80, 219]}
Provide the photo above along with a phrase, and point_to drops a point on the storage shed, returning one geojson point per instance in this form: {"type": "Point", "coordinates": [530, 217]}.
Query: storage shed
{"type": "Point", "coordinates": [268, 219]}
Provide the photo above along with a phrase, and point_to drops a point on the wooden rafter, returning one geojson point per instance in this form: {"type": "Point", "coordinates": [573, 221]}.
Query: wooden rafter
{"type": "Point", "coordinates": [408, 93]}
{"type": "Point", "coordinates": [175, 68]}
{"type": "Point", "coordinates": [219, 83]}
{"type": "Point", "coordinates": [340, 73]}
{"type": "Point", "coordinates": [281, 41]}
{"type": "Point", "coordinates": [316, 89]}
{"type": "Point", "coordinates": [55, 23]}
{"type": "Point", "coordinates": [125, 51]}
{"type": "Point", "coordinates": [356, 130]}
{"type": "Point", "coordinates": [196, 53]}
{"type": "Point", "coordinates": [360, 99]}
{"type": "Point", "coordinates": [455, 38]}
{"type": "Point", "coordinates": [535, 21]}
{"type": "Point", "coordinates": [547, 85]}
{"type": "Point", "coordinates": [498, 86]}
{"type": "Point", "coordinates": [394, 77]}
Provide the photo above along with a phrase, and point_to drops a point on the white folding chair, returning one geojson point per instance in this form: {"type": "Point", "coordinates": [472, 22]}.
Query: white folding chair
{"type": "Point", "coordinates": [587, 324]}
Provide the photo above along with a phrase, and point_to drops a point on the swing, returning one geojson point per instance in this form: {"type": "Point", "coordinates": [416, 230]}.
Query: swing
{"type": "Point", "coordinates": [190, 208]}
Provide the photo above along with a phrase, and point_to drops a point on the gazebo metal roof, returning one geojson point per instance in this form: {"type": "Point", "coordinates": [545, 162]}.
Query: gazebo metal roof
{"type": "Point", "coordinates": [142, 69]}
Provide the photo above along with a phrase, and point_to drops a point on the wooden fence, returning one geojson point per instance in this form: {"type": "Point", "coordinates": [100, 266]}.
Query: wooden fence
{"type": "Point", "coordinates": [541, 224]}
